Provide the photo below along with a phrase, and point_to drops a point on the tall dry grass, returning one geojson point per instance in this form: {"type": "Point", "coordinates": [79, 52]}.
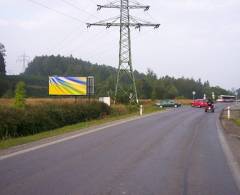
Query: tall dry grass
{"type": "Point", "coordinates": [184, 101]}
{"type": "Point", "coordinates": [38, 101]}
{"type": "Point", "coordinates": [71, 100]}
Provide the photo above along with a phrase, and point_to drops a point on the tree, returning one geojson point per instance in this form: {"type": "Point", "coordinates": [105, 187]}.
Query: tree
{"type": "Point", "coordinates": [149, 85]}
{"type": "Point", "coordinates": [159, 90]}
{"type": "Point", "coordinates": [20, 95]}
{"type": "Point", "coordinates": [238, 92]}
{"type": "Point", "coordinates": [172, 91]}
{"type": "Point", "coordinates": [2, 60]}
{"type": "Point", "coordinates": [151, 75]}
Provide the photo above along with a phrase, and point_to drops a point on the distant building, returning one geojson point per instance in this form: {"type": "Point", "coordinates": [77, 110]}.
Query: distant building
{"type": "Point", "coordinates": [226, 98]}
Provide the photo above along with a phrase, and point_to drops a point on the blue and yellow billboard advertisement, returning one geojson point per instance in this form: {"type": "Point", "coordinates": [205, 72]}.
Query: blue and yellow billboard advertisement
{"type": "Point", "coordinates": [67, 85]}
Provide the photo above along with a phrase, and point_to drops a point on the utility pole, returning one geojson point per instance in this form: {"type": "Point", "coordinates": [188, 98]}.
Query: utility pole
{"type": "Point", "coordinates": [24, 59]}
{"type": "Point", "coordinates": [125, 76]}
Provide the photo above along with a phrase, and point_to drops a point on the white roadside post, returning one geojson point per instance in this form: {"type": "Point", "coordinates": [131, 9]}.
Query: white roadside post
{"type": "Point", "coordinates": [141, 110]}
{"type": "Point", "coordinates": [213, 96]}
{"type": "Point", "coordinates": [228, 112]}
{"type": "Point", "coordinates": [236, 97]}
{"type": "Point", "coordinates": [193, 93]}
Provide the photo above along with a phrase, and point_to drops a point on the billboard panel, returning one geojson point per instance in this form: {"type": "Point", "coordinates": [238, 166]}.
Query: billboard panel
{"type": "Point", "coordinates": [67, 85]}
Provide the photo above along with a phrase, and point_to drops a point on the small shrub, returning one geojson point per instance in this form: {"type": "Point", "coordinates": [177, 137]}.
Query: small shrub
{"type": "Point", "coordinates": [118, 110]}
{"type": "Point", "coordinates": [20, 95]}
{"type": "Point", "coordinates": [133, 108]}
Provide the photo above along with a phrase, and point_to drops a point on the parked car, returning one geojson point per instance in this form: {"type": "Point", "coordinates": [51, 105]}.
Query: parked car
{"type": "Point", "coordinates": [168, 103]}
{"type": "Point", "coordinates": [200, 103]}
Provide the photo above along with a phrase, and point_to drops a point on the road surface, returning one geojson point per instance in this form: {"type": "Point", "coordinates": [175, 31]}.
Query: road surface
{"type": "Point", "coordinates": [172, 153]}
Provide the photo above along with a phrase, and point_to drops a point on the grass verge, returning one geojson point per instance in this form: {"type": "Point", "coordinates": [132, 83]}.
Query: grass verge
{"type": "Point", "coordinates": [237, 122]}
{"type": "Point", "coordinates": [80, 127]}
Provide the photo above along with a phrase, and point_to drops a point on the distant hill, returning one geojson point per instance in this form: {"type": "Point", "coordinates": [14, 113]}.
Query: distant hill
{"type": "Point", "coordinates": [45, 66]}
{"type": "Point", "coordinates": [148, 85]}
{"type": "Point", "coordinates": [67, 66]}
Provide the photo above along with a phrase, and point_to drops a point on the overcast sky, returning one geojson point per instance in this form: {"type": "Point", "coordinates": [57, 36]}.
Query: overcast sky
{"type": "Point", "coordinates": [197, 38]}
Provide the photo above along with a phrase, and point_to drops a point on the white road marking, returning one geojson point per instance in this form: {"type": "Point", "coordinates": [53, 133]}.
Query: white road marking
{"type": "Point", "coordinates": [73, 137]}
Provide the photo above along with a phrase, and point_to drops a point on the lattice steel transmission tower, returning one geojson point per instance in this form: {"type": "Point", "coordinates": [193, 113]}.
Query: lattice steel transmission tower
{"type": "Point", "coordinates": [24, 59]}
{"type": "Point", "coordinates": [125, 76]}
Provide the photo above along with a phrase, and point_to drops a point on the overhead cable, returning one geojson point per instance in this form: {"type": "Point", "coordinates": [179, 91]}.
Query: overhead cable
{"type": "Point", "coordinates": [56, 11]}
{"type": "Point", "coordinates": [77, 7]}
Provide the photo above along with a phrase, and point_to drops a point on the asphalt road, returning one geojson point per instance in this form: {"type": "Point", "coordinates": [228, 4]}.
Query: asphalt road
{"type": "Point", "coordinates": [173, 153]}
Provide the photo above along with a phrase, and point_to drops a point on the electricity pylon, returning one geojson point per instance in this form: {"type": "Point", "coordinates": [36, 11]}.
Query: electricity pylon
{"type": "Point", "coordinates": [24, 60]}
{"type": "Point", "coordinates": [125, 75]}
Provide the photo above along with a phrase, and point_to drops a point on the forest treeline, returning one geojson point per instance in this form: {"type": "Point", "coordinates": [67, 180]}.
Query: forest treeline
{"type": "Point", "coordinates": [149, 85]}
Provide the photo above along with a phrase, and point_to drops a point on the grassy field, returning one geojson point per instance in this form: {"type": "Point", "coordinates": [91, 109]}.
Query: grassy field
{"type": "Point", "coordinates": [237, 121]}
{"type": "Point", "coordinates": [37, 101]}
{"type": "Point", "coordinates": [81, 127]}
{"type": "Point", "coordinates": [70, 100]}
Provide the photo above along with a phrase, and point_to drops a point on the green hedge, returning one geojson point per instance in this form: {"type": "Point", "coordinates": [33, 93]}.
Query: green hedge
{"type": "Point", "coordinates": [34, 119]}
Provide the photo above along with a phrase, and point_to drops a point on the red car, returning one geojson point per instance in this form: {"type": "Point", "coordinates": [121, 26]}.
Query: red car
{"type": "Point", "coordinates": [199, 103]}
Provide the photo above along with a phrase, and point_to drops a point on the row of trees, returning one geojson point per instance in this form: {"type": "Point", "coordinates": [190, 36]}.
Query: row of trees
{"type": "Point", "coordinates": [149, 86]}
{"type": "Point", "coordinates": [170, 87]}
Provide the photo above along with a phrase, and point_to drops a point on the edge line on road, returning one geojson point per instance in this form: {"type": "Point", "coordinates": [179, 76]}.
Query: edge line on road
{"type": "Point", "coordinates": [60, 140]}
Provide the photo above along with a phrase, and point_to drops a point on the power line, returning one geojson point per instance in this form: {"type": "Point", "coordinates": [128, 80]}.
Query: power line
{"type": "Point", "coordinates": [78, 8]}
{"type": "Point", "coordinates": [68, 37]}
{"type": "Point", "coordinates": [56, 11]}
{"type": "Point", "coordinates": [71, 39]}
{"type": "Point", "coordinates": [93, 2]}
{"type": "Point", "coordinates": [108, 50]}
{"type": "Point", "coordinates": [98, 36]}
{"type": "Point", "coordinates": [64, 14]}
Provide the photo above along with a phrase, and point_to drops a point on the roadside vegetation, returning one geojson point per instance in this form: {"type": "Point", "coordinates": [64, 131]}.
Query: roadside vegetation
{"type": "Point", "coordinates": [235, 115]}
{"type": "Point", "coordinates": [44, 120]}
{"type": "Point", "coordinates": [28, 114]}
{"type": "Point", "coordinates": [237, 121]}
{"type": "Point", "coordinates": [19, 121]}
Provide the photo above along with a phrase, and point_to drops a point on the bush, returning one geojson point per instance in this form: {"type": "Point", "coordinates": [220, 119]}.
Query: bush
{"type": "Point", "coordinates": [35, 119]}
{"type": "Point", "coordinates": [119, 109]}
{"type": "Point", "coordinates": [133, 108]}
{"type": "Point", "coordinates": [20, 95]}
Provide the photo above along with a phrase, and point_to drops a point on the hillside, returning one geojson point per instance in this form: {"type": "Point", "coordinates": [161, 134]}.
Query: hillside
{"type": "Point", "coordinates": [148, 85]}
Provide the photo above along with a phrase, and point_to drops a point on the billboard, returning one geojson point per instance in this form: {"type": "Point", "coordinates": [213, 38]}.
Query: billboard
{"type": "Point", "coordinates": [67, 85]}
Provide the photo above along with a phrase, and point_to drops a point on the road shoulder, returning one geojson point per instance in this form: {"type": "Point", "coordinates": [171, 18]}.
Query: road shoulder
{"type": "Point", "coordinates": [230, 141]}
